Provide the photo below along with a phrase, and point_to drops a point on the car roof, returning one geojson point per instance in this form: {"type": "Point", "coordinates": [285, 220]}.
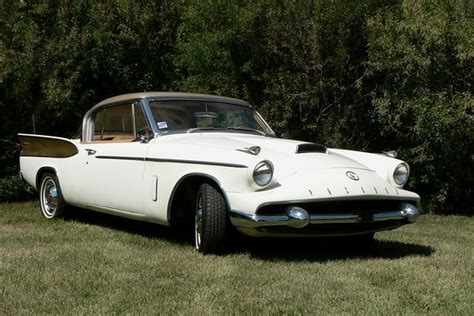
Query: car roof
{"type": "Point", "coordinates": [171, 96]}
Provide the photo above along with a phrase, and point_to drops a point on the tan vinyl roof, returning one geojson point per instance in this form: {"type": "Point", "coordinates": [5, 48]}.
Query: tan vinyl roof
{"type": "Point", "coordinates": [169, 96]}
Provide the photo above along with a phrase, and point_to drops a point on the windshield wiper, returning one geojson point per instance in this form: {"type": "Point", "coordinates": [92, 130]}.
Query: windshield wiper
{"type": "Point", "coordinates": [246, 129]}
{"type": "Point", "coordinates": [199, 129]}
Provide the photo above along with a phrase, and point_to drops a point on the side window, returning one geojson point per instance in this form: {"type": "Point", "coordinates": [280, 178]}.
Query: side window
{"type": "Point", "coordinates": [117, 123]}
{"type": "Point", "coordinates": [99, 125]}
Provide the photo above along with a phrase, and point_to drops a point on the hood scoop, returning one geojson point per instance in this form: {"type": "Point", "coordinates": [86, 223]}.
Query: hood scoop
{"type": "Point", "coordinates": [310, 148]}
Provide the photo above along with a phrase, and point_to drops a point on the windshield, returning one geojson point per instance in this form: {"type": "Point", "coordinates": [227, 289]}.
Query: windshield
{"type": "Point", "coordinates": [198, 116]}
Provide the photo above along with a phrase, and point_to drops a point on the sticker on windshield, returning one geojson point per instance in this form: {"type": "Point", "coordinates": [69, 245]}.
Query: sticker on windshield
{"type": "Point", "coordinates": [162, 125]}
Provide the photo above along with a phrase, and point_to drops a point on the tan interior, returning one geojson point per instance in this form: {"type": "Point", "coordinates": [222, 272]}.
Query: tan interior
{"type": "Point", "coordinates": [111, 139]}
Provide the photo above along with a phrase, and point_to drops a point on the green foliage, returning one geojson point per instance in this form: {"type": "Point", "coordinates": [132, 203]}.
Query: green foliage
{"type": "Point", "coordinates": [367, 75]}
{"type": "Point", "coordinates": [298, 62]}
{"type": "Point", "coordinates": [423, 55]}
{"type": "Point", "coordinates": [13, 189]}
{"type": "Point", "coordinates": [59, 58]}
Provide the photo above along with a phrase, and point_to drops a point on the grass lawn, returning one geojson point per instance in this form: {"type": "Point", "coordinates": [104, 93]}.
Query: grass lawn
{"type": "Point", "coordinates": [93, 263]}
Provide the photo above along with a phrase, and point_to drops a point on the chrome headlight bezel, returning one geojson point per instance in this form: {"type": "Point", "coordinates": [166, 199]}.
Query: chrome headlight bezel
{"type": "Point", "coordinates": [262, 174]}
{"type": "Point", "coordinates": [401, 174]}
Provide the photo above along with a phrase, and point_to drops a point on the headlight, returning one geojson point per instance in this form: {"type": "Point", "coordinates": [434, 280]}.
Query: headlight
{"type": "Point", "coordinates": [401, 173]}
{"type": "Point", "coordinates": [263, 173]}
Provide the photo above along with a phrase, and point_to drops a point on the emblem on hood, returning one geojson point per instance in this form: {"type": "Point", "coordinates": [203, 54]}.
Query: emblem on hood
{"type": "Point", "coordinates": [352, 175]}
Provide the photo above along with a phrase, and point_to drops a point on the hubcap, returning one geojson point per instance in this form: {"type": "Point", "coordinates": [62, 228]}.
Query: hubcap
{"type": "Point", "coordinates": [49, 196]}
{"type": "Point", "coordinates": [198, 221]}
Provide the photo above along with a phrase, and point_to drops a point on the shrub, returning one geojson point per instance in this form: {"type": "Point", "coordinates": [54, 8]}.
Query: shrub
{"type": "Point", "coordinates": [12, 188]}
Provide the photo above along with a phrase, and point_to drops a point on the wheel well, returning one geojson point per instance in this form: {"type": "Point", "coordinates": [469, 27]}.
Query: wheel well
{"type": "Point", "coordinates": [183, 199]}
{"type": "Point", "coordinates": [40, 174]}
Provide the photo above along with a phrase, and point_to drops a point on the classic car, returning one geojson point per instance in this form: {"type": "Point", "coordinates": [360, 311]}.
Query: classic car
{"type": "Point", "coordinates": [214, 163]}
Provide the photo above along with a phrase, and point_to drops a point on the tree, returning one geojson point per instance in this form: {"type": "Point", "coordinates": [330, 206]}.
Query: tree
{"type": "Point", "coordinates": [60, 58]}
{"type": "Point", "coordinates": [422, 56]}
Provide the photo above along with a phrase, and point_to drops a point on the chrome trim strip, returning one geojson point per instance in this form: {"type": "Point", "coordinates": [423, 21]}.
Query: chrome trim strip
{"type": "Point", "coordinates": [134, 121]}
{"type": "Point", "coordinates": [346, 198]}
{"type": "Point", "coordinates": [121, 158]}
{"type": "Point", "coordinates": [242, 219]}
{"type": "Point", "coordinates": [203, 98]}
{"type": "Point", "coordinates": [387, 216]}
{"type": "Point", "coordinates": [149, 116]}
{"type": "Point", "coordinates": [197, 162]}
{"type": "Point", "coordinates": [334, 219]}
{"type": "Point", "coordinates": [194, 162]}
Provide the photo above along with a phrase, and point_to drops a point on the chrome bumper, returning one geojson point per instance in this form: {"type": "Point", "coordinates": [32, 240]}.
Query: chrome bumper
{"type": "Point", "coordinates": [407, 213]}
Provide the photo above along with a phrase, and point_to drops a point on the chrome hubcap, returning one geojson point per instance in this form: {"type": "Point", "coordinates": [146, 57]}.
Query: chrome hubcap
{"type": "Point", "coordinates": [198, 221]}
{"type": "Point", "coordinates": [49, 196]}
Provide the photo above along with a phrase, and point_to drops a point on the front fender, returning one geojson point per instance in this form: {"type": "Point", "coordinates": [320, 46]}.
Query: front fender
{"type": "Point", "coordinates": [384, 166]}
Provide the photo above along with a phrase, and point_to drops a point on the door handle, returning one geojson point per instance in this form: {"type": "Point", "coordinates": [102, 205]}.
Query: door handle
{"type": "Point", "coordinates": [90, 151]}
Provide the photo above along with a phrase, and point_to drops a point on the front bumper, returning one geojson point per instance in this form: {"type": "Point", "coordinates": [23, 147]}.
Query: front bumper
{"type": "Point", "coordinates": [297, 222]}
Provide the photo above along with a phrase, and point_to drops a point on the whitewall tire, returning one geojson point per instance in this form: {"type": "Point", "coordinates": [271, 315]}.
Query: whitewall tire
{"type": "Point", "coordinates": [51, 198]}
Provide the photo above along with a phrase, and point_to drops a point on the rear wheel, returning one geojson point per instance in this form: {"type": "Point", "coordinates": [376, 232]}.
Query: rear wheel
{"type": "Point", "coordinates": [211, 226]}
{"type": "Point", "coordinates": [51, 199]}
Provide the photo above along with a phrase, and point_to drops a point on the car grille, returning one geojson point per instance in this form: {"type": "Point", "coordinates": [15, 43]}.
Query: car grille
{"type": "Point", "coordinates": [360, 207]}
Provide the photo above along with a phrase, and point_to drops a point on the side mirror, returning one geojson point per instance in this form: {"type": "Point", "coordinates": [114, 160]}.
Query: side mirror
{"type": "Point", "coordinates": [145, 134]}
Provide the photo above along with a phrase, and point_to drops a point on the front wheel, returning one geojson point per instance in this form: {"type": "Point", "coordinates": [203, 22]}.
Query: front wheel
{"type": "Point", "coordinates": [51, 198]}
{"type": "Point", "coordinates": [211, 225]}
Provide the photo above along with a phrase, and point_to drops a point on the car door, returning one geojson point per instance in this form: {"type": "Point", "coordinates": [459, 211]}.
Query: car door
{"type": "Point", "coordinates": [114, 163]}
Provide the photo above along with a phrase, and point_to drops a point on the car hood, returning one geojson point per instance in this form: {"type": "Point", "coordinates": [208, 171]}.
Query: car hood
{"type": "Point", "coordinates": [281, 152]}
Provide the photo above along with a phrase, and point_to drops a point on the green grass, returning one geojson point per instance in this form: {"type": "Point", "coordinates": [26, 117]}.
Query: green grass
{"type": "Point", "coordinates": [100, 264]}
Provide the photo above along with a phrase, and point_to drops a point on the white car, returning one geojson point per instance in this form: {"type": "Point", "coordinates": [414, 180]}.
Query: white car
{"type": "Point", "coordinates": [214, 162]}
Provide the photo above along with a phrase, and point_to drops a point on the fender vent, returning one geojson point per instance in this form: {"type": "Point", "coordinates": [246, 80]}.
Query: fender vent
{"type": "Point", "coordinates": [310, 148]}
